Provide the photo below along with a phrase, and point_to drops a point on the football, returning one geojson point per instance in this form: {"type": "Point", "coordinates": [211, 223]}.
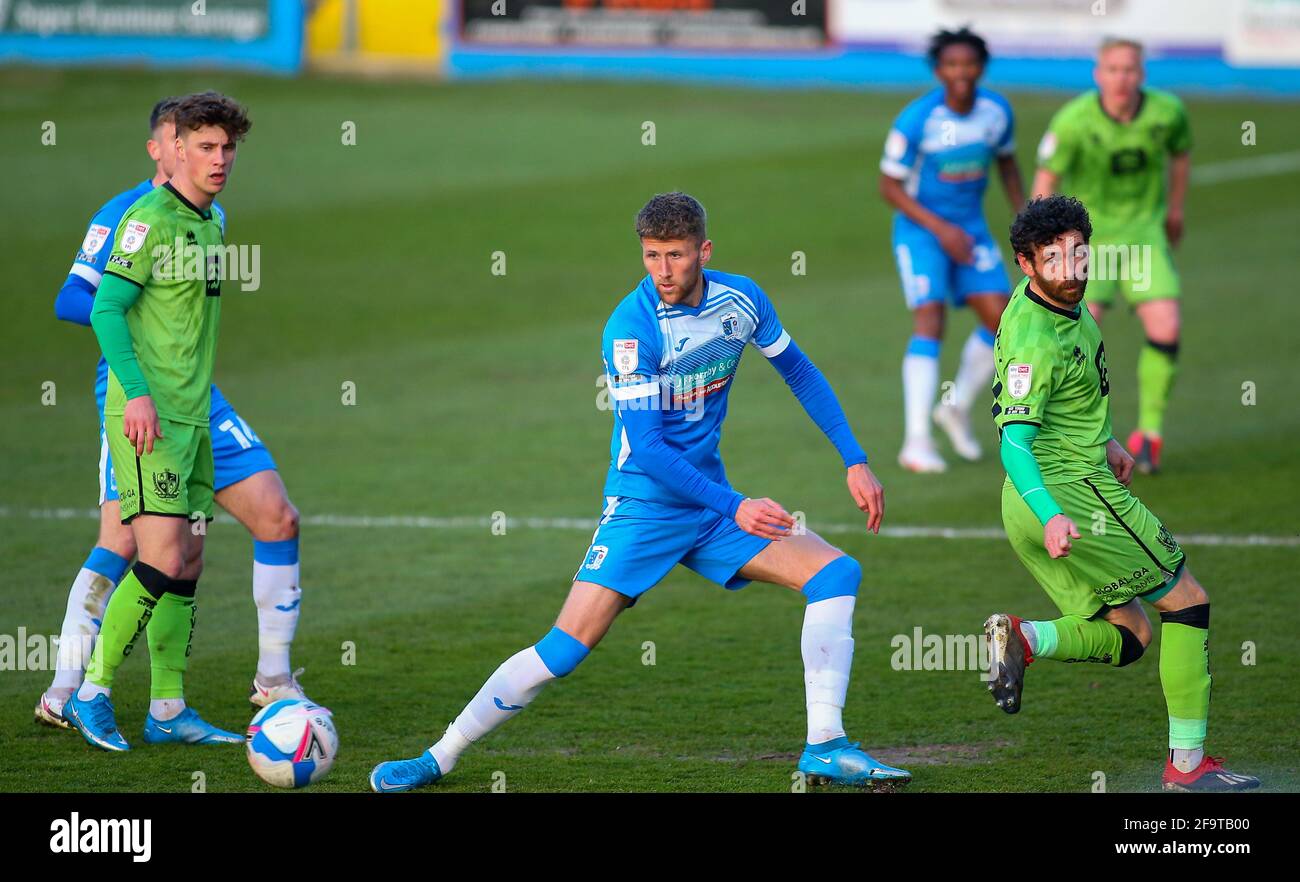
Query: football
{"type": "Point", "coordinates": [292, 743]}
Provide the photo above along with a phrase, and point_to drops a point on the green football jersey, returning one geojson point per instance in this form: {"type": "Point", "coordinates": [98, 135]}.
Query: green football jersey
{"type": "Point", "coordinates": [1119, 171]}
{"type": "Point", "coordinates": [1051, 372]}
{"type": "Point", "coordinates": [173, 251]}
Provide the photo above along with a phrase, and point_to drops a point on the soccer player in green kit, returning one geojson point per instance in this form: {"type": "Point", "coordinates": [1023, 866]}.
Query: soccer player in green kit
{"type": "Point", "coordinates": [156, 316]}
{"type": "Point", "coordinates": [1123, 150]}
{"type": "Point", "coordinates": [1065, 468]}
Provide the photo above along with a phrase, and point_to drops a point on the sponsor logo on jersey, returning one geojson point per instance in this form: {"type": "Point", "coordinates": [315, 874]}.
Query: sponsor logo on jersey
{"type": "Point", "coordinates": [119, 260]}
{"type": "Point", "coordinates": [625, 356]}
{"type": "Point", "coordinates": [96, 236]}
{"type": "Point", "coordinates": [133, 237]}
{"type": "Point", "coordinates": [595, 557]}
{"type": "Point", "coordinates": [167, 484]}
{"type": "Point", "coordinates": [1019, 378]}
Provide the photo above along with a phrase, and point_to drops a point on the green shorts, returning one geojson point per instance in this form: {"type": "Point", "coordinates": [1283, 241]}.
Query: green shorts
{"type": "Point", "coordinates": [175, 480]}
{"type": "Point", "coordinates": [1124, 552]}
{"type": "Point", "coordinates": [1139, 265]}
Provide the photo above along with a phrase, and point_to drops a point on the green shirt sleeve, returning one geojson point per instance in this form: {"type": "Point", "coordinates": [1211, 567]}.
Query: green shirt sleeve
{"type": "Point", "coordinates": [1022, 468]}
{"type": "Point", "coordinates": [1057, 149]}
{"type": "Point", "coordinates": [115, 296]}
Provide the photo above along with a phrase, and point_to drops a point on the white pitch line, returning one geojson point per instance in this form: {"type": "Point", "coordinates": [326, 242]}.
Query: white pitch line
{"type": "Point", "coordinates": [477, 522]}
{"type": "Point", "coordinates": [1251, 167]}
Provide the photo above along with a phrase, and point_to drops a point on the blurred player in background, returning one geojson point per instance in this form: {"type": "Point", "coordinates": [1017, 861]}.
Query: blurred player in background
{"type": "Point", "coordinates": [246, 482]}
{"type": "Point", "coordinates": [671, 349]}
{"type": "Point", "coordinates": [934, 172]}
{"type": "Point", "coordinates": [1065, 468]}
{"type": "Point", "coordinates": [1123, 150]}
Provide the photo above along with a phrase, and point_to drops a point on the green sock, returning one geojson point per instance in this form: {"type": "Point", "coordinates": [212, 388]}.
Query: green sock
{"type": "Point", "coordinates": [1185, 674]}
{"type": "Point", "coordinates": [1156, 371]}
{"type": "Point", "coordinates": [127, 614]}
{"type": "Point", "coordinates": [170, 631]}
{"type": "Point", "coordinates": [1075, 639]}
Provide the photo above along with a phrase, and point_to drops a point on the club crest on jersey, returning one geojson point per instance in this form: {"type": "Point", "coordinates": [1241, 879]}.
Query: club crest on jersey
{"type": "Point", "coordinates": [731, 326]}
{"type": "Point", "coordinates": [133, 237]}
{"type": "Point", "coordinates": [595, 557]}
{"type": "Point", "coordinates": [96, 236]}
{"type": "Point", "coordinates": [625, 356]}
{"type": "Point", "coordinates": [1019, 378]}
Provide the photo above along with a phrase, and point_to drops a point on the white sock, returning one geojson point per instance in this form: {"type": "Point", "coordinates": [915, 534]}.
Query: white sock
{"type": "Point", "coordinates": [975, 372]}
{"type": "Point", "coordinates": [449, 748]}
{"type": "Point", "coordinates": [276, 592]}
{"type": "Point", "coordinates": [827, 645]}
{"type": "Point", "coordinates": [920, 385]}
{"type": "Point", "coordinates": [88, 690]}
{"type": "Point", "coordinates": [87, 600]}
{"type": "Point", "coordinates": [1030, 633]}
{"type": "Point", "coordinates": [164, 709]}
{"type": "Point", "coordinates": [1186, 760]}
{"type": "Point", "coordinates": [517, 682]}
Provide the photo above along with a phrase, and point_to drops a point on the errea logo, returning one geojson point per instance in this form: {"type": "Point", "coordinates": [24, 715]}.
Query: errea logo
{"type": "Point", "coordinates": [76, 835]}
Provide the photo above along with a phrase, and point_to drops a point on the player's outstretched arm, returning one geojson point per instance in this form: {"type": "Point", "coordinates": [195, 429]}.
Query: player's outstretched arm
{"type": "Point", "coordinates": [1027, 478]}
{"type": "Point", "coordinates": [810, 386]}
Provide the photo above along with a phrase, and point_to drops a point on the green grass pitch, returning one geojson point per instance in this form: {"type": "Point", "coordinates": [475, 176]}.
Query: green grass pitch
{"type": "Point", "coordinates": [476, 393]}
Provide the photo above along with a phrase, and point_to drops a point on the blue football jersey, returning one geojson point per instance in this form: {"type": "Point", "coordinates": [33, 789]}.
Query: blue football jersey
{"type": "Point", "coordinates": [681, 360]}
{"type": "Point", "coordinates": [92, 256]}
{"type": "Point", "coordinates": [943, 157]}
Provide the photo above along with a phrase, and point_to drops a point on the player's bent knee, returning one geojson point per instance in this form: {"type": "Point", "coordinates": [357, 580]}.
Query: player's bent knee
{"type": "Point", "coordinates": [278, 523]}
{"type": "Point", "coordinates": [839, 578]}
{"type": "Point", "coordinates": [1131, 646]}
{"type": "Point", "coordinates": [561, 652]}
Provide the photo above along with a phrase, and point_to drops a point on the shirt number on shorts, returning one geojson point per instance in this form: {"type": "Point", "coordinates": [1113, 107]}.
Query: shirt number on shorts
{"type": "Point", "coordinates": [242, 433]}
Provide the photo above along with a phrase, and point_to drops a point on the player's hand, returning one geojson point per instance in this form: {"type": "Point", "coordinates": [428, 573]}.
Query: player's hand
{"type": "Point", "coordinates": [140, 424]}
{"type": "Point", "coordinates": [1057, 536]}
{"type": "Point", "coordinates": [765, 518]}
{"type": "Point", "coordinates": [957, 243]}
{"type": "Point", "coordinates": [1174, 228]}
{"type": "Point", "coordinates": [1119, 461]}
{"type": "Point", "coordinates": [867, 494]}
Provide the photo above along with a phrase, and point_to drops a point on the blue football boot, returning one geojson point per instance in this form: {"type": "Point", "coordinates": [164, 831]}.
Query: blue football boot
{"type": "Point", "coordinates": [94, 720]}
{"type": "Point", "coordinates": [187, 727]}
{"type": "Point", "coordinates": [840, 762]}
{"type": "Point", "coordinates": [395, 776]}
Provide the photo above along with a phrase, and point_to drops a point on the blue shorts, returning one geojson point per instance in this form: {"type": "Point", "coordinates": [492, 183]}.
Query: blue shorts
{"type": "Point", "coordinates": [237, 452]}
{"type": "Point", "coordinates": [929, 275]}
{"type": "Point", "coordinates": [637, 542]}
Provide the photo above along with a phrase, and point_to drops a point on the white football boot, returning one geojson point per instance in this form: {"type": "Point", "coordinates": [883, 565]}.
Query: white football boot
{"type": "Point", "coordinates": [956, 425]}
{"type": "Point", "coordinates": [49, 710]}
{"type": "Point", "coordinates": [918, 455]}
{"type": "Point", "coordinates": [267, 690]}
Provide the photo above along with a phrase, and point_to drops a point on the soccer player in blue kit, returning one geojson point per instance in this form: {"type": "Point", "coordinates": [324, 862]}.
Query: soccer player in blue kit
{"type": "Point", "coordinates": [934, 172]}
{"type": "Point", "coordinates": [247, 485]}
{"type": "Point", "coordinates": [671, 349]}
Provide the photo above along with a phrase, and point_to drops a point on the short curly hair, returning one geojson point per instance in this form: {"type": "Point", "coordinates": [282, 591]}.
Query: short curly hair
{"type": "Point", "coordinates": [944, 38]}
{"type": "Point", "coordinates": [193, 112]}
{"type": "Point", "coordinates": [1044, 219]}
{"type": "Point", "coordinates": [673, 215]}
